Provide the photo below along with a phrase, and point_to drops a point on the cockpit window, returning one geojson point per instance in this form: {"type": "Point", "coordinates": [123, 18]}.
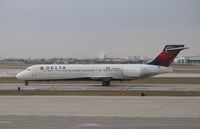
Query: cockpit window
{"type": "Point", "coordinates": [28, 69]}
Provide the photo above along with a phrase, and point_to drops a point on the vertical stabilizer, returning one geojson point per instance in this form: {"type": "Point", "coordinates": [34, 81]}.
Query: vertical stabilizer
{"type": "Point", "coordinates": [166, 57]}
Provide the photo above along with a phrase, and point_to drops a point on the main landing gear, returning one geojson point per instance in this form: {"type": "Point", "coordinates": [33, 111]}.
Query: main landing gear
{"type": "Point", "coordinates": [105, 83]}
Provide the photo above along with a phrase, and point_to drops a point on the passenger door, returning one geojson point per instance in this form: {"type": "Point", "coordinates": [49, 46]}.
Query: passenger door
{"type": "Point", "coordinates": [35, 71]}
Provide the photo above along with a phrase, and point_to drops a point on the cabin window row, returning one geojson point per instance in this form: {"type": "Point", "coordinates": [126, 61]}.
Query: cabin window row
{"type": "Point", "coordinates": [91, 70]}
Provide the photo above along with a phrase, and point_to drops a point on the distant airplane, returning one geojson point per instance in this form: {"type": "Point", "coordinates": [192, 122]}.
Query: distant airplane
{"type": "Point", "coordinates": [102, 72]}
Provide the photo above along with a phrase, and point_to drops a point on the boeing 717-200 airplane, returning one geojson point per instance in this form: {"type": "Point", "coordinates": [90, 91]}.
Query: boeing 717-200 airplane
{"type": "Point", "coordinates": [102, 72]}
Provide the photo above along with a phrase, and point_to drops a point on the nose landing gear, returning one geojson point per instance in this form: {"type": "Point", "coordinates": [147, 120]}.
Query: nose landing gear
{"type": "Point", "coordinates": [26, 83]}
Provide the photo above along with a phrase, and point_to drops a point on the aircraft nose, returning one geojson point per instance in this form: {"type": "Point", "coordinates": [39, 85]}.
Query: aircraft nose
{"type": "Point", "coordinates": [20, 76]}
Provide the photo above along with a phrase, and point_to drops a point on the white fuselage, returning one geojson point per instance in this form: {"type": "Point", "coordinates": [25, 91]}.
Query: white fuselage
{"type": "Point", "coordinates": [91, 72]}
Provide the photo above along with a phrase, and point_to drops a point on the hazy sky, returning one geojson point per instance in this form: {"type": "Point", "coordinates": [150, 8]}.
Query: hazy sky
{"type": "Point", "coordinates": [83, 28]}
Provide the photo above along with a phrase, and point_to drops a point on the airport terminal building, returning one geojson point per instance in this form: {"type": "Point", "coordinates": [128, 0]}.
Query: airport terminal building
{"type": "Point", "coordinates": [193, 60]}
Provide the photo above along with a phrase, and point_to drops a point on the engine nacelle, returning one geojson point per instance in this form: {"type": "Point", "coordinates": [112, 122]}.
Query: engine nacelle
{"type": "Point", "coordinates": [132, 72]}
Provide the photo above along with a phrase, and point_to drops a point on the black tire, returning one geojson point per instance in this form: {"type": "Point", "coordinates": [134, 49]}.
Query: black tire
{"type": "Point", "coordinates": [26, 83]}
{"type": "Point", "coordinates": [108, 83]}
{"type": "Point", "coordinates": [105, 83]}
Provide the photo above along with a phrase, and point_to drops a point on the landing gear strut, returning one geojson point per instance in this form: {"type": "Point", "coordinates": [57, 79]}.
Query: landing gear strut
{"type": "Point", "coordinates": [26, 83]}
{"type": "Point", "coordinates": [105, 83]}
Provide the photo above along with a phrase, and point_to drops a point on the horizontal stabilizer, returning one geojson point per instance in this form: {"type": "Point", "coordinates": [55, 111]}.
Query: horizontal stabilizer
{"type": "Point", "coordinates": [178, 48]}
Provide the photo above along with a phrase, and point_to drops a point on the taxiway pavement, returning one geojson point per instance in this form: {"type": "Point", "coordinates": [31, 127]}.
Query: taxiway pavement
{"type": "Point", "coordinates": [104, 106]}
{"type": "Point", "coordinates": [63, 122]}
{"type": "Point", "coordinates": [95, 112]}
{"type": "Point", "coordinates": [130, 87]}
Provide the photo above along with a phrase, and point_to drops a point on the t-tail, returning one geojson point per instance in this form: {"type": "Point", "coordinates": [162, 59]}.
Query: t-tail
{"type": "Point", "coordinates": [166, 57]}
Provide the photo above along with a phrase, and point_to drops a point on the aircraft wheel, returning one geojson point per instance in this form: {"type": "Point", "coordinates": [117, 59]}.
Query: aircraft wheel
{"type": "Point", "coordinates": [26, 83]}
{"type": "Point", "coordinates": [105, 83]}
{"type": "Point", "coordinates": [108, 83]}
